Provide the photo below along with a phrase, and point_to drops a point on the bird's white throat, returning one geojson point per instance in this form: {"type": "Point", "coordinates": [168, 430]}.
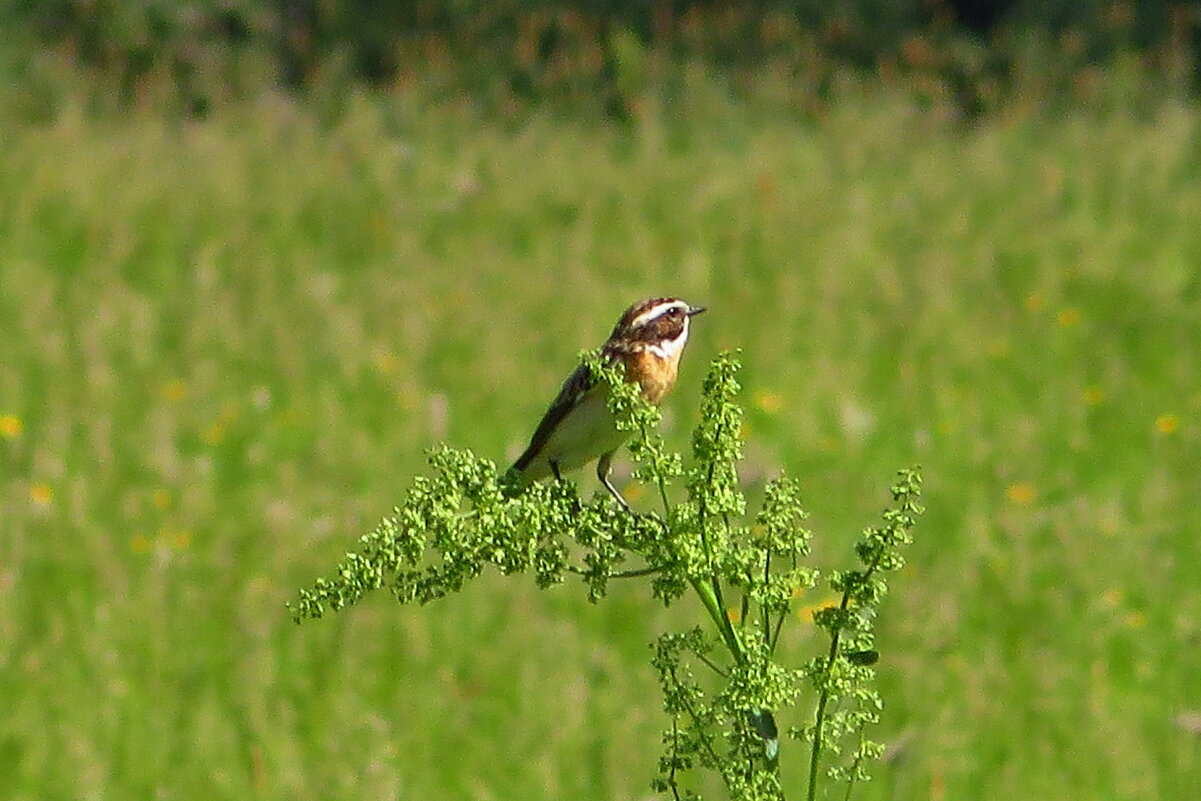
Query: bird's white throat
{"type": "Point", "coordinates": [671, 348]}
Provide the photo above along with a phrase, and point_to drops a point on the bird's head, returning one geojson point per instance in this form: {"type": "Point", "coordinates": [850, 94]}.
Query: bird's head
{"type": "Point", "coordinates": [658, 324]}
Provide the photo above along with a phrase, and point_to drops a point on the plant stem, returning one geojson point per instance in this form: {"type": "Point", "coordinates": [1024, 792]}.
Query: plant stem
{"type": "Point", "coordinates": [820, 718]}
{"type": "Point", "coordinates": [642, 571]}
{"type": "Point", "coordinates": [712, 595]}
{"type": "Point", "coordinates": [660, 482]}
{"type": "Point", "coordinates": [675, 740]}
{"type": "Point", "coordinates": [718, 616]}
{"type": "Point", "coordinates": [854, 772]}
{"type": "Point", "coordinates": [712, 665]}
{"type": "Point", "coordinates": [705, 737]}
{"type": "Point", "coordinates": [766, 614]}
{"type": "Point", "coordinates": [775, 637]}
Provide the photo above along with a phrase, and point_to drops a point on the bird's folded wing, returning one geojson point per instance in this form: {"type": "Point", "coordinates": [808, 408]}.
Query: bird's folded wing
{"type": "Point", "coordinates": [573, 389]}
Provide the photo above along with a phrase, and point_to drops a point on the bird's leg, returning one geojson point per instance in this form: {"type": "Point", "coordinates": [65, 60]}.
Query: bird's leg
{"type": "Point", "coordinates": [603, 466]}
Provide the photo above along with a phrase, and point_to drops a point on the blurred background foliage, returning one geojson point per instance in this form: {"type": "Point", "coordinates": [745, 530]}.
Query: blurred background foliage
{"type": "Point", "coordinates": [256, 257]}
{"type": "Point", "coordinates": [963, 56]}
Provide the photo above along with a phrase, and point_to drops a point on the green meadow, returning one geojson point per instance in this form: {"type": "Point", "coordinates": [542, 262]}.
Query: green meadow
{"type": "Point", "coordinates": [226, 345]}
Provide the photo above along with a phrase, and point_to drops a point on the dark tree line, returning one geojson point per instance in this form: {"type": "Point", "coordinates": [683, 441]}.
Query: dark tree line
{"type": "Point", "coordinates": [544, 48]}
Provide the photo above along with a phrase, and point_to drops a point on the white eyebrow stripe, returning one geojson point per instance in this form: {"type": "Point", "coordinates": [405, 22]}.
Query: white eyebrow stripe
{"type": "Point", "coordinates": [657, 311]}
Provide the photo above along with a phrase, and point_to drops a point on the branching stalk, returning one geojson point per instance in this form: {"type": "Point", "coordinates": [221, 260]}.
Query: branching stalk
{"type": "Point", "coordinates": [464, 519]}
{"type": "Point", "coordinates": [824, 697]}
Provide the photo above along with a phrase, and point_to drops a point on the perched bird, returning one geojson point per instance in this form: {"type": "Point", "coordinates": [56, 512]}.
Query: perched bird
{"type": "Point", "coordinates": [578, 427]}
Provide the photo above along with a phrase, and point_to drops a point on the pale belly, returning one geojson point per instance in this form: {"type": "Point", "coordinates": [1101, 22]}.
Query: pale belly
{"type": "Point", "coordinates": [584, 435]}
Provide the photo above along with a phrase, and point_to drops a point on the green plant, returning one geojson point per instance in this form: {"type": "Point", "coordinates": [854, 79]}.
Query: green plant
{"type": "Point", "coordinates": [722, 684]}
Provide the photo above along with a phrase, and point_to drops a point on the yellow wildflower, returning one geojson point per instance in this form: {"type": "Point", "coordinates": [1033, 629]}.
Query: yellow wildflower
{"type": "Point", "coordinates": [1023, 492]}
{"type": "Point", "coordinates": [1135, 619]}
{"type": "Point", "coordinates": [214, 434]}
{"type": "Point", "coordinates": [10, 426]}
{"type": "Point", "coordinates": [1068, 317]}
{"type": "Point", "coordinates": [806, 612]}
{"type": "Point", "coordinates": [385, 363]}
{"type": "Point", "coordinates": [769, 402]}
{"type": "Point", "coordinates": [178, 539]}
{"type": "Point", "coordinates": [1167, 423]}
{"type": "Point", "coordinates": [175, 390]}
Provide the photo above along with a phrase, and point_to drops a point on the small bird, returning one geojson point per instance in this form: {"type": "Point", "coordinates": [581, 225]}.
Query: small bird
{"type": "Point", "coordinates": [578, 427]}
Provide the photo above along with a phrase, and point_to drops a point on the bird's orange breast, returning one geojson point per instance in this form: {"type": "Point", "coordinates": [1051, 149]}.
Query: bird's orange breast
{"type": "Point", "coordinates": [655, 374]}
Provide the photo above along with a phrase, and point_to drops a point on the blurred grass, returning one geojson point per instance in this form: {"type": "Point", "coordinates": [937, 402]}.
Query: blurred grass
{"type": "Point", "coordinates": [227, 344]}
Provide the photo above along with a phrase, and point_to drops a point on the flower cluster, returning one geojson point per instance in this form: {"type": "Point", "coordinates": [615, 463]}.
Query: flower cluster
{"type": "Point", "coordinates": [722, 682]}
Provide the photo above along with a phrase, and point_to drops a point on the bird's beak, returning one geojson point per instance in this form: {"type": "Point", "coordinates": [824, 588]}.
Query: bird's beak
{"type": "Point", "coordinates": [695, 310]}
